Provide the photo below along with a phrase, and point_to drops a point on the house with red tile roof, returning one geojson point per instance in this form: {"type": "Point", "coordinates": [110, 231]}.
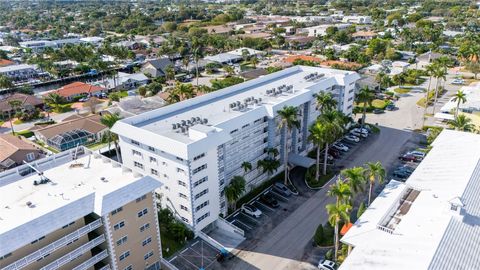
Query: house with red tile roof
{"type": "Point", "coordinates": [75, 89]}
{"type": "Point", "coordinates": [5, 62]}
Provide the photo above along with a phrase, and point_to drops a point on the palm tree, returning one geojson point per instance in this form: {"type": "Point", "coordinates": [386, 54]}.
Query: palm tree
{"type": "Point", "coordinates": [336, 213]}
{"type": "Point", "coordinates": [462, 123]}
{"type": "Point", "coordinates": [325, 102]}
{"type": "Point", "coordinates": [375, 173]}
{"type": "Point", "coordinates": [183, 91]}
{"type": "Point", "coordinates": [268, 166]}
{"type": "Point", "coordinates": [340, 191]}
{"type": "Point", "coordinates": [14, 106]}
{"type": "Point", "coordinates": [109, 120]}
{"type": "Point", "coordinates": [459, 97]}
{"type": "Point", "coordinates": [317, 134]}
{"type": "Point", "coordinates": [54, 100]}
{"type": "Point", "coordinates": [229, 70]}
{"type": "Point", "coordinates": [332, 129]}
{"type": "Point", "coordinates": [234, 190]}
{"type": "Point", "coordinates": [355, 178]}
{"type": "Point", "coordinates": [246, 166]}
{"type": "Point", "coordinates": [254, 61]}
{"type": "Point", "coordinates": [365, 96]}
{"type": "Point", "coordinates": [439, 73]}
{"type": "Point", "coordinates": [431, 71]}
{"type": "Point", "coordinates": [288, 120]}
{"type": "Point", "coordinates": [5, 82]}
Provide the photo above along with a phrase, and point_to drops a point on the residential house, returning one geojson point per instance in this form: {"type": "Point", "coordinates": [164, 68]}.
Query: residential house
{"type": "Point", "coordinates": [219, 29]}
{"type": "Point", "coordinates": [71, 132]}
{"type": "Point", "coordinates": [364, 35]}
{"type": "Point", "coordinates": [299, 42]}
{"type": "Point", "coordinates": [124, 81]}
{"type": "Point", "coordinates": [70, 91]}
{"type": "Point", "coordinates": [251, 52]}
{"type": "Point", "coordinates": [6, 62]}
{"type": "Point", "coordinates": [357, 19]}
{"type": "Point", "coordinates": [19, 72]}
{"type": "Point", "coordinates": [157, 68]}
{"type": "Point", "coordinates": [96, 41]}
{"type": "Point", "coordinates": [321, 30]}
{"type": "Point", "coordinates": [37, 45]}
{"type": "Point", "coordinates": [14, 151]}
{"type": "Point", "coordinates": [225, 58]}
{"type": "Point", "coordinates": [28, 104]}
{"type": "Point", "coordinates": [129, 44]}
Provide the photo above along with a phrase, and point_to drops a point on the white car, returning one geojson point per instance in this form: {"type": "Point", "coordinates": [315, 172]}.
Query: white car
{"type": "Point", "coordinates": [326, 265]}
{"type": "Point", "coordinates": [251, 210]}
{"type": "Point", "coordinates": [340, 146]}
{"type": "Point", "coordinates": [458, 81]}
{"type": "Point", "coordinates": [359, 134]}
{"type": "Point", "coordinates": [417, 154]}
{"type": "Point", "coordinates": [352, 138]}
{"type": "Point", "coordinates": [361, 130]}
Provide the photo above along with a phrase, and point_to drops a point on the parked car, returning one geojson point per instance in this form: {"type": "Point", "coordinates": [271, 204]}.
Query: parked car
{"type": "Point", "coordinates": [390, 107]}
{"type": "Point", "coordinates": [326, 265]}
{"type": "Point", "coordinates": [408, 157]}
{"type": "Point", "coordinates": [334, 153]}
{"type": "Point", "coordinates": [282, 189]}
{"type": "Point", "coordinates": [352, 138]}
{"type": "Point", "coordinates": [405, 168]}
{"type": "Point", "coordinates": [362, 130]}
{"type": "Point", "coordinates": [269, 200]}
{"type": "Point", "coordinates": [359, 134]}
{"type": "Point", "coordinates": [378, 111]}
{"type": "Point", "coordinates": [340, 147]}
{"type": "Point", "coordinates": [417, 154]}
{"type": "Point", "coordinates": [458, 81]}
{"type": "Point", "coordinates": [251, 210]}
{"type": "Point", "coordinates": [85, 99]}
{"type": "Point", "coordinates": [401, 174]}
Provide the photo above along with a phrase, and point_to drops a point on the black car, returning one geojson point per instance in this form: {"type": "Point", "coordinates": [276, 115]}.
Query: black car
{"type": "Point", "coordinates": [401, 174]}
{"type": "Point", "coordinates": [269, 200]}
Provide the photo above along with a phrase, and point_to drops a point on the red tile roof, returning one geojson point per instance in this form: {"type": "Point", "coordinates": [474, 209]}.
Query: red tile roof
{"type": "Point", "coordinates": [292, 58]}
{"type": "Point", "coordinates": [5, 62]}
{"type": "Point", "coordinates": [77, 88]}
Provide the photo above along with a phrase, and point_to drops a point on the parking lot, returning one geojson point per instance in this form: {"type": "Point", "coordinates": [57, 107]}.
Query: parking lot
{"type": "Point", "coordinates": [197, 255]}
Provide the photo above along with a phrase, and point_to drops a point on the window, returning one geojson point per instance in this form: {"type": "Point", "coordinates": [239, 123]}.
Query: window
{"type": "Point", "coordinates": [139, 199]}
{"type": "Point", "coordinates": [181, 159]}
{"type": "Point", "coordinates": [35, 241]}
{"type": "Point", "coordinates": [154, 172]}
{"type": "Point", "coordinates": [203, 217]}
{"type": "Point", "coordinates": [181, 195]}
{"type": "Point", "coordinates": [30, 156]}
{"type": "Point", "coordinates": [201, 193]}
{"type": "Point", "coordinates": [199, 157]}
{"type": "Point", "coordinates": [144, 227]}
{"type": "Point", "coordinates": [183, 207]}
{"type": "Point", "coordinates": [201, 206]}
{"type": "Point", "coordinates": [69, 224]}
{"type": "Point", "coordinates": [136, 153]}
{"type": "Point", "coordinates": [202, 180]}
{"type": "Point", "coordinates": [181, 183]}
{"type": "Point", "coordinates": [122, 241]}
{"type": "Point", "coordinates": [130, 267]}
{"type": "Point", "coordinates": [142, 213]}
{"type": "Point", "coordinates": [185, 220]}
{"type": "Point", "coordinates": [148, 255]}
{"type": "Point", "coordinates": [146, 241]}
{"type": "Point", "coordinates": [138, 165]}
{"type": "Point", "coordinates": [117, 210]}
{"type": "Point", "coordinates": [201, 168]}
{"type": "Point", "coordinates": [119, 225]}
{"type": "Point", "coordinates": [151, 149]}
{"type": "Point", "coordinates": [233, 131]}
{"type": "Point", "coordinates": [134, 142]}
{"type": "Point", "coordinates": [258, 120]}
{"type": "Point", "coordinates": [245, 126]}
{"type": "Point", "coordinates": [5, 256]}
{"type": "Point", "coordinates": [153, 160]}
{"type": "Point", "coordinates": [124, 255]}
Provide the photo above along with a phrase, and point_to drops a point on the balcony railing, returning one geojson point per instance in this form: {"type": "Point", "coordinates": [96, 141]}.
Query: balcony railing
{"type": "Point", "coordinates": [106, 267]}
{"type": "Point", "coordinates": [49, 249]}
{"type": "Point", "coordinates": [92, 261]}
{"type": "Point", "coordinates": [74, 254]}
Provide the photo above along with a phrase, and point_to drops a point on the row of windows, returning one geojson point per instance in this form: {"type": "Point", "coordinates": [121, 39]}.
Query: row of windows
{"type": "Point", "coordinates": [202, 180]}
{"type": "Point", "coordinates": [139, 199]}
{"type": "Point", "coordinates": [122, 240]}
{"type": "Point", "coordinates": [68, 225]}
{"type": "Point", "coordinates": [201, 168]}
{"type": "Point", "coordinates": [142, 213]}
{"type": "Point", "coordinates": [181, 195]}
{"type": "Point", "coordinates": [35, 241]}
{"type": "Point", "coordinates": [124, 255]}
{"type": "Point", "coordinates": [117, 210]}
{"type": "Point", "coordinates": [203, 217]}
{"type": "Point", "coordinates": [146, 241]}
{"type": "Point", "coordinates": [183, 207]}
{"type": "Point", "coordinates": [181, 183]}
{"type": "Point", "coordinates": [201, 193]}
{"type": "Point", "coordinates": [119, 225]}
{"type": "Point", "coordinates": [199, 157]}
{"type": "Point", "coordinates": [202, 206]}
{"type": "Point", "coordinates": [144, 227]}
{"type": "Point", "coordinates": [150, 148]}
{"type": "Point", "coordinates": [148, 255]}
{"type": "Point", "coordinates": [138, 165]}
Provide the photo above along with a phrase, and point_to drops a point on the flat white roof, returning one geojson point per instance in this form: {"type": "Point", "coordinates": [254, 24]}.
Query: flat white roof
{"type": "Point", "coordinates": [428, 234]}
{"type": "Point", "coordinates": [472, 92]}
{"type": "Point", "coordinates": [75, 189]}
{"type": "Point", "coordinates": [215, 107]}
{"type": "Point", "coordinates": [16, 67]}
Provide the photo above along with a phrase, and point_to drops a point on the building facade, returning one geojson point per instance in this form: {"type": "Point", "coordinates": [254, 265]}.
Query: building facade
{"type": "Point", "coordinates": [197, 146]}
{"type": "Point", "coordinates": [85, 212]}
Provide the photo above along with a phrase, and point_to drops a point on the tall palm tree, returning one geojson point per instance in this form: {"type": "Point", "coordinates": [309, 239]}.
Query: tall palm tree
{"type": "Point", "coordinates": [268, 166]}
{"type": "Point", "coordinates": [365, 96]}
{"type": "Point", "coordinates": [246, 166]}
{"type": "Point", "coordinates": [462, 123]}
{"type": "Point", "coordinates": [340, 191]}
{"type": "Point", "coordinates": [355, 178]}
{"type": "Point", "coordinates": [439, 73]}
{"type": "Point", "coordinates": [288, 120]}
{"type": "Point", "coordinates": [14, 106]}
{"type": "Point", "coordinates": [109, 120]}
{"type": "Point", "coordinates": [54, 100]}
{"type": "Point", "coordinates": [375, 173]}
{"type": "Point", "coordinates": [431, 71]}
{"type": "Point", "coordinates": [317, 134]}
{"type": "Point", "coordinates": [459, 97]}
{"type": "Point", "coordinates": [332, 129]}
{"type": "Point", "coordinates": [234, 190]}
{"type": "Point", "coordinates": [254, 61]}
{"type": "Point", "coordinates": [325, 102]}
{"type": "Point", "coordinates": [336, 213]}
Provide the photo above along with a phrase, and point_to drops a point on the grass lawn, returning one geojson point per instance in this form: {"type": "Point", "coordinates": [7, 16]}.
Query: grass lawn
{"type": "Point", "coordinates": [402, 90]}
{"type": "Point", "coordinates": [431, 95]}
{"type": "Point", "coordinates": [25, 133]}
{"type": "Point", "coordinates": [17, 122]}
{"type": "Point", "coordinates": [312, 182]}
{"type": "Point", "coordinates": [62, 108]}
{"type": "Point", "coordinates": [376, 104]}
{"type": "Point", "coordinates": [97, 145]}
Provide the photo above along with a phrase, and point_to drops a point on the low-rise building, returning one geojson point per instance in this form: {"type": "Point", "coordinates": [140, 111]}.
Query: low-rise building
{"type": "Point", "coordinates": [124, 81]}
{"type": "Point", "coordinates": [28, 103]}
{"type": "Point", "coordinates": [357, 19]}
{"type": "Point", "coordinates": [224, 58]}
{"type": "Point", "coordinates": [14, 151]}
{"type": "Point", "coordinates": [19, 72]}
{"type": "Point", "coordinates": [431, 221]}
{"type": "Point", "coordinates": [72, 90]}
{"type": "Point", "coordinates": [364, 35]}
{"type": "Point", "coordinates": [6, 62]}
{"type": "Point", "coordinates": [158, 67]}
{"type": "Point", "coordinates": [78, 210]}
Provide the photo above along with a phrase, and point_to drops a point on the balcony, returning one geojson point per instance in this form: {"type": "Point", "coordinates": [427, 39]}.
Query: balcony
{"type": "Point", "coordinates": [92, 261]}
{"type": "Point", "coordinates": [74, 254]}
{"type": "Point", "coordinates": [49, 249]}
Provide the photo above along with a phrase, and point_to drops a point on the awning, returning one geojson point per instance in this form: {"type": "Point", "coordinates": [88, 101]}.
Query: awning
{"type": "Point", "coordinates": [345, 228]}
{"type": "Point", "coordinates": [300, 160]}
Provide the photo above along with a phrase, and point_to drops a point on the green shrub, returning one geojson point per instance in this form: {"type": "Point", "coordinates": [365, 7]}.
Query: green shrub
{"type": "Point", "coordinates": [329, 254]}
{"type": "Point", "coordinates": [319, 236]}
{"type": "Point", "coordinates": [361, 210]}
{"type": "Point", "coordinates": [25, 133]}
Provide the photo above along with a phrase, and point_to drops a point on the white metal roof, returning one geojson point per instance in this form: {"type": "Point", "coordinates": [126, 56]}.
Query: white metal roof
{"type": "Point", "coordinates": [29, 211]}
{"type": "Point", "coordinates": [450, 170]}
{"type": "Point", "coordinates": [16, 67]}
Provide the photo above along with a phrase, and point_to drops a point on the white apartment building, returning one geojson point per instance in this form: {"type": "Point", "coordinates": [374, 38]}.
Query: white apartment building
{"type": "Point", "coordinates": [431, 221]}
{"type": "Point", "coordinates": [85, 212]}
{"type": "Point", "coordinates": [196, 147]}
{"type": "Point", "coordinates": [321, 30]}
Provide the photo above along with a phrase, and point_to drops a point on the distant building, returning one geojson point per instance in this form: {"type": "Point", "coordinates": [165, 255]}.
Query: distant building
{"type": "Point", "coordinates": [70, 91]}
{"type": "Point", "coordinates": [158, 67]}
{"type": "Point", "coordinates": [14, 150]}
{"type": "Point", "coordinates": [28, 103]}
{"type": "Point", "coordinates": [84, 212]}
{"type": "Point", "coordinates": [225, 58]}
{"type": "Point", "coordinates": [251, 52]}
{"type": "Point", "coordinates": [357, 19]}
{"type": "Point", "coordinates": [124, 81]}
{"type": "Point", "coordinates": [6, 62]}
{"type": "Point", "coordinates": [364, 35]}
{"type": "Point", "coordinates": [321, 30]}
{"type": "Point", "coordinates": [19, 72]}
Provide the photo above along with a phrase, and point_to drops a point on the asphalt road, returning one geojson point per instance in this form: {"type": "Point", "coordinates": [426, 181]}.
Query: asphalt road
{"type": "Point", "coordinates": [284, 246]}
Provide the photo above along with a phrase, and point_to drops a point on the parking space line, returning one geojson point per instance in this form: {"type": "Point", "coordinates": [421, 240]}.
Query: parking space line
{"type": "Point", "coordinates": [183, 251]}
{"type": "Point", "coordinates": [189, 262]}
{"type": "Point", "coordinates": [278, 194]}
{"type": "Point", "coordinates": [249, 217]}
{"type": "Point", "coordinates": [172, 259]}
{"type": "Point", "coordinates": [194, 244]}
{"type": "Point", "coordinates": [243, 224]}
{"type": "Point", "coordinates": [264, 205]}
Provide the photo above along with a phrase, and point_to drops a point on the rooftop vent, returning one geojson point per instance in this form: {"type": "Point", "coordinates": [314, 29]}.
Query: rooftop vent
{"type": "Point", "coordinates": [104, 179]}
{"type": "Point", "coordinates": [30, 204]}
